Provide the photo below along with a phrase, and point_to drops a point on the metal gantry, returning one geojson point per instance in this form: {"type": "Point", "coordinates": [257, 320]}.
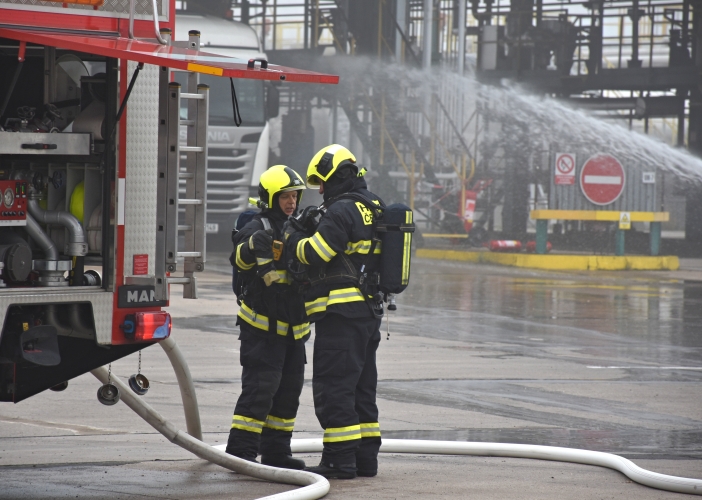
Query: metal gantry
{"type": "Point", "coordinates": [430, 138]}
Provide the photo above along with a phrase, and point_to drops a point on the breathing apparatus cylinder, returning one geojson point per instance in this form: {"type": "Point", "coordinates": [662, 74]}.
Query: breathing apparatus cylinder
{"type": "Point", "coordinates": [395, 231]}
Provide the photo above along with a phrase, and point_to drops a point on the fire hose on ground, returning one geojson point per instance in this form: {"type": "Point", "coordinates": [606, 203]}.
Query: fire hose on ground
{"type": "Point", "coordinates": [554, 453]}
{"type": "Point", "coordinates": [315, 486]}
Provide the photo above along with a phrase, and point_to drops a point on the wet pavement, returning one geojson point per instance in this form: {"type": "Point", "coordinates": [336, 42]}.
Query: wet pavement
{"type": "Point", "coordinates": [600, 361]}
{"type": "Point", "coordinates": [605, 343]}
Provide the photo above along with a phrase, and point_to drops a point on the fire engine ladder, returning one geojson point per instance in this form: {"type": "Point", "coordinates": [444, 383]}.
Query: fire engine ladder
{"type": "Point", "coordinates": [193, 171]}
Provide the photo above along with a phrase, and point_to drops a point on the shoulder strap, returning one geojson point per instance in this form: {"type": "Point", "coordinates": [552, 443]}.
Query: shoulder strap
{"type": "Point", "coordinates": [267, 225]}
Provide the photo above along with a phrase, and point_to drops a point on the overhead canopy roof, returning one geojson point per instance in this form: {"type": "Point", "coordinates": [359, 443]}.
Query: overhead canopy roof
{"type": "Point", "coordinates": [154, 53]}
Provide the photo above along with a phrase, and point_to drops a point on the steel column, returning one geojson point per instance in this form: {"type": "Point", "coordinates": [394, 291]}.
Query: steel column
{"type": "Point", "coordinates": [427, 33]}
{"type": "Point", "coordinates": [461, 36]}
{"type": "Point", "coordinates": [400, 18]}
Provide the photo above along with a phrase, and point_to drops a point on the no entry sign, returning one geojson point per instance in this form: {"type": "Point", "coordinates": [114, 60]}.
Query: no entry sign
{"type": "Point", "coordinates": [602, 179]}
{"type": "Point", "coordinates": [565, 169]}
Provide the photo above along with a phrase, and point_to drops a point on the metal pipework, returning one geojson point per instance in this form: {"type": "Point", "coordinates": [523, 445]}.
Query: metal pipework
{"type": "Point", "coordinates": [131, 19]}
{"type": "Point", "coordinates": [157, 29]}
{"type": "Point", "coordinates": [400, 19]}
{"type": "Point", "coordinates": [51, 270]}
{"type": "Point", "coordinates": [77, 246]}
{"type": "Point", "coordinates": [41, 238]}
{"type": "Point", "coordinates": [461, 36]}
{"type": "Point", "coordinates": [427, 33]}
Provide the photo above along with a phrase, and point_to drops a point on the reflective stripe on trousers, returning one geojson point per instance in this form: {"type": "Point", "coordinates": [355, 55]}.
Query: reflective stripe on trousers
{"type": "Point", "coordinates": [371, 429]}
{"type": "Point", "coordinates": [247, 424]}
{"type": "Point", "coordinates": [280, 424]}
{"type": "Point", "coordinates": [337, 434]}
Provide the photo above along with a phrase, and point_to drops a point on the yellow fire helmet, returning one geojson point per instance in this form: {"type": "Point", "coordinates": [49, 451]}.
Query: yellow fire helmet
{"type": "Point", "coordinates": [327, 161]}
{"type": "Point", "coordinates": [279, 179]}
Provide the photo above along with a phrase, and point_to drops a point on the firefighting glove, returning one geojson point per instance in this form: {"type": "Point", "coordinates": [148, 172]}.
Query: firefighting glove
{"type": "Point", "coordinates": [291, 226]}
{"type": "Point", "coordinates": [308, 219]}
{"type": "Point", "coordinates": [261, 242]}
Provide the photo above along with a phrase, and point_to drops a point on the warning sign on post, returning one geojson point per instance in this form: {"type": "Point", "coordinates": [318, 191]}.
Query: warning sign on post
{"type": "Point", "coordinates": [565, 169]}
{"type": "Point", "coordinates": [624, 220]}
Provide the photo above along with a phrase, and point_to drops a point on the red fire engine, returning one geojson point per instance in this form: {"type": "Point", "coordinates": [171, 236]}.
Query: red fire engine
{"type": "Point", "coordinates": [103, 207]}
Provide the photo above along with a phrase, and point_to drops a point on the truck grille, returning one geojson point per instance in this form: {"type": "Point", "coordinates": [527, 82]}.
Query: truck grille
{"type": "Point", "coordinates": [228, 178]}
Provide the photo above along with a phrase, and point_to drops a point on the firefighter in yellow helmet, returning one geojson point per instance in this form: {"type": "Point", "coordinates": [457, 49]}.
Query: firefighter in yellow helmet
{"type": "Point", "coordinates": [273, 328]}
{"type": "Point", "coordinates": [344, 303]}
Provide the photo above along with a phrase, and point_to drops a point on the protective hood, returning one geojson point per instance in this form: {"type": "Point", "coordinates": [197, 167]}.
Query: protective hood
{"type": "Point", "coordinates": [336, 186]}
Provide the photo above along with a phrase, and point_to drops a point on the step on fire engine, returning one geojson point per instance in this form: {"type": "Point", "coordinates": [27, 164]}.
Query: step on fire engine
{"type": "Point", "coordinates": [90, 167]}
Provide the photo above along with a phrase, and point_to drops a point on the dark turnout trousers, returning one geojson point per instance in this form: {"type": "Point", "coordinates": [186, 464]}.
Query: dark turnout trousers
{"type": "Point", "coordinates": [344, 383]}
{"type": "Point", "coordinates": [271, 382]}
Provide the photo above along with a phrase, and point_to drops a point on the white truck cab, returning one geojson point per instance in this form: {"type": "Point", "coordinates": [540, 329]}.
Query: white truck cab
{"type": "Point", "coordinates": [237, 155]}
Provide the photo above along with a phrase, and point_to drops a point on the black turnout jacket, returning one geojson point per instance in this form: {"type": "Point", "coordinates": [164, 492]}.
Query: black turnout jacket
{"type": "Point", "coordinates": [277, 309]}
{"type": "Point", "coordinates": [335, 254]}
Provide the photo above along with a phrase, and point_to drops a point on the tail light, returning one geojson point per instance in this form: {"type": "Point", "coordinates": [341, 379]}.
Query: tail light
{"type": "Point", "coordinates": [145, 326]}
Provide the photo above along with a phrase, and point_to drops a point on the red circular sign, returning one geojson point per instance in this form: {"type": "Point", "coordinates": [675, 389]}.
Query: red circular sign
{"type": "Point", "coordinates": [565, 163]}
{"type": "Point", "coordinates": [602, 179]}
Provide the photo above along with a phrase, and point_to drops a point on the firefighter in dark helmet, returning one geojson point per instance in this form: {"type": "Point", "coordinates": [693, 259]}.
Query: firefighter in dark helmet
{"type": "Point", "coordinates": [274, 328]}
{"type": "Point", "coordinates": [346, 314]}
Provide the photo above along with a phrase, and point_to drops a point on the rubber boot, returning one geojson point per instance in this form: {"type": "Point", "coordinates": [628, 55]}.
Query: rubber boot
{"type": "Point", "coordinates": [366, 467]}
{"type": "Point", "coordinates": [243, 444]}
{"type": "Point", "coordinates": [367, 457]}
{"type": "Point", "coordinates": [283, 461]}
{"type": "Point", "coordinates": [334, 471]}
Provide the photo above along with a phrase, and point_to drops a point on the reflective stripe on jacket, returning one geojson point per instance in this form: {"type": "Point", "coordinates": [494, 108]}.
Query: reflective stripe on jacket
{"type": "Point", "coordinates": [261, 322]}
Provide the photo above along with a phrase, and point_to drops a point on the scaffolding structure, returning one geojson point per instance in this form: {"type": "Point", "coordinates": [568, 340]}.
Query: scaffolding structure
{"type": "Point", "coordinates": [412, 96]}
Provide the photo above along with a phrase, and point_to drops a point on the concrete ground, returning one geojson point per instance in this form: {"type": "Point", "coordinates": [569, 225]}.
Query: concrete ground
{"type": "Point", "coordinates": [599, 361]}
